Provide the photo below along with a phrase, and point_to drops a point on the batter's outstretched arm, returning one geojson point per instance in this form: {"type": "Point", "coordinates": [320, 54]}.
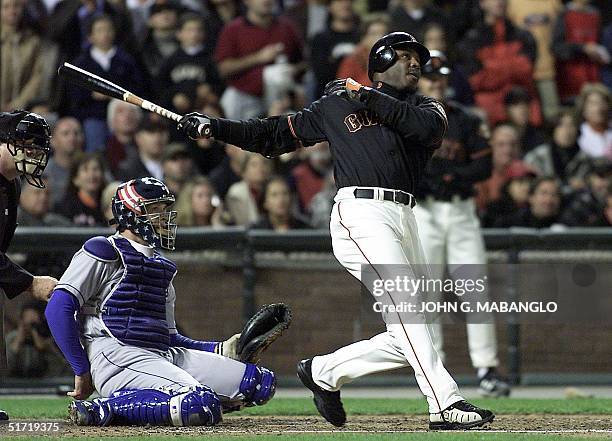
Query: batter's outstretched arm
{"type": "Point", "coordinates": [270, 136]}
{"type": "Point", "coordinates": [425, 120]}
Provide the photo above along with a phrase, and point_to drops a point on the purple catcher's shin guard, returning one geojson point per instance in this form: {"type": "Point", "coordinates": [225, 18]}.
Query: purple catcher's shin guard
{"type": "Point", "coordinates": [258, 385]}
{"type": "Point", "coordinates": [188, 406]}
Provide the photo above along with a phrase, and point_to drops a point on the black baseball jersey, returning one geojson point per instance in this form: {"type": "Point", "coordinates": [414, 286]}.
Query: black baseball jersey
{"type": "Point", "coordinates": [13, 279]}
{"type": "Point", "coordinates": [463, 159]}
{"type": "Point", "coordinates": [384, 141]}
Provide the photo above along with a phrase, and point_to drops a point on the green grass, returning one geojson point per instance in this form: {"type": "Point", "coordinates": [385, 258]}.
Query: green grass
{"type": "Point", "coordinates": [56, 407]}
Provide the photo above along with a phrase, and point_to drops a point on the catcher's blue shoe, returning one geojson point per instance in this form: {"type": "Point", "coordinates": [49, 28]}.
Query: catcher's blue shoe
{"type": "Point", "coordinates": [88, 413]}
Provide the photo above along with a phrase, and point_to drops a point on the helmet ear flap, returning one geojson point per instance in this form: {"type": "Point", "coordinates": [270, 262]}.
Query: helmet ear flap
{"type": "Point", "coordinates": [383, 59]}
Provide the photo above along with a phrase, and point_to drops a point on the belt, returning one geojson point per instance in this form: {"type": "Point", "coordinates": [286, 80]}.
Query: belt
{"type": "Point", "coordinates": [397, 196]}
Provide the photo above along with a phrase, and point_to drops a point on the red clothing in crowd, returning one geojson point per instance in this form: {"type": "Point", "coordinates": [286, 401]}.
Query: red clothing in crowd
{"type": "Point", "coordinates": [497, 58]}
{"type": "Point", "coordinates": [355, 66]}
{"type": "Point", "coordinates": [240, 38]}
{"type": "Point", "coordinates": [573, 30]}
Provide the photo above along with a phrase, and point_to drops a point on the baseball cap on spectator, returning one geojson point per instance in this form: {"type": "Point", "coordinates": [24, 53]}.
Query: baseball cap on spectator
{"type": "Point", "coordinates": [175, 150]}
{"type": "Point", "coordinates": [152, 123]}
{"type": "Point", "coordinates": [437, 64]}
{"type": "Point", "coordinates": [518, 169]}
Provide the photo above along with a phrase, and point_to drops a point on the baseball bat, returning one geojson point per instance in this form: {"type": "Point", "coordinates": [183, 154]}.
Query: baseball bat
{"type": "Point", "coordinates": [88, 80]}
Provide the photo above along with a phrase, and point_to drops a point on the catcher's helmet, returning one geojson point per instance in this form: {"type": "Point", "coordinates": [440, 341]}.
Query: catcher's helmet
{"type": "Point", "coordinates": [28, 137]}
{"type": "Point", "coordinates": [383, 55]}
{"type": "Point", "coordinates": [132, 210]}
{"type": "Point", "coordinates": [437, 65]}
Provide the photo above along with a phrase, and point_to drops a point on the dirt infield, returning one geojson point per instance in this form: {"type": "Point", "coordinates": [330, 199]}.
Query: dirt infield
{"type": "Point", "coordinates": [373, 424]}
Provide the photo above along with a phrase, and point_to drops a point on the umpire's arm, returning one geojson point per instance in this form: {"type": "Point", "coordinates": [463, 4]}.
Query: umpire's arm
{"type": "Point", "coordinates": [13, 279]}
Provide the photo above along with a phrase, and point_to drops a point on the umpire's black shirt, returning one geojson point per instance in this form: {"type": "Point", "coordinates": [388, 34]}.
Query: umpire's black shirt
{"type": "Point", "coordinates": [13, 279]}
{"type": "Point", "coordinates": [384, 141]}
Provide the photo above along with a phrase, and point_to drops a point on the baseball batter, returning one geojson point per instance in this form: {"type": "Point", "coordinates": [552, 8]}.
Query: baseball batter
{"type": "Point", "coordinates": [381, 138]}
{"type": "Point", "coordinates": [131, 353]}
{"type": "Point", "coordinates": [446, 214]}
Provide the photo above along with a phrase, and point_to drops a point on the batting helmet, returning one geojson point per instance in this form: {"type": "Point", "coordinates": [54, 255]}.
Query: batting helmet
{"type": "Point", "coordinates": [133, 210]}
{"type": "Point", "coordinates": [28, 137]}
{"type": "Point", "coordinates": [383, 55]}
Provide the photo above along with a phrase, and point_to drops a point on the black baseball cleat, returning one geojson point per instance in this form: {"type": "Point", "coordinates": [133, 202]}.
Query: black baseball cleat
{"type": "Point", "coordinates": [328, 403]}
{"type": "Point", "coordinates": [460, 416]}
{"type": "Point", "coordinates": [3, 416]}
{"type": "Point", "coordinates": [493, 385]}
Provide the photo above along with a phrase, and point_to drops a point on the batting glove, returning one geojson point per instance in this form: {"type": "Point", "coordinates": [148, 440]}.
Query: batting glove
{"type": "Point", "coordinates": [195, 125]}
{"type": "Point", "coordinates": [348, 88]}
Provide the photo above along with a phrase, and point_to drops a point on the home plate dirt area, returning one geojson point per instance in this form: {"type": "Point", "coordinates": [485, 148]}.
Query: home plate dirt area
{"type": "Point", "coordinates": [578, 424]}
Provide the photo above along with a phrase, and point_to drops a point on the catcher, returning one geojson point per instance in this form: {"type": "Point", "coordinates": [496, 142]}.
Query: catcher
{"type": "Point", "coordinates": [124, 342]}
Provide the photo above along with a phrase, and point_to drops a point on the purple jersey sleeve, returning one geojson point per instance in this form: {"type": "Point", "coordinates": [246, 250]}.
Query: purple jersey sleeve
{"type": "Point", "coordinates": [179, 340]}
{"type": "Point", "coordinates": [60, 317]}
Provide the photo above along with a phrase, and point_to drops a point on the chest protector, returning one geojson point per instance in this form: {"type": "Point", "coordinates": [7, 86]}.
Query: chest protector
{"type": "Point", "coordinates": [135, 312]}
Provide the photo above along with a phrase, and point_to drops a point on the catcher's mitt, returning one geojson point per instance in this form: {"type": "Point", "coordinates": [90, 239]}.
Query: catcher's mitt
{"type": "Point", "coordinates": [262, 330]}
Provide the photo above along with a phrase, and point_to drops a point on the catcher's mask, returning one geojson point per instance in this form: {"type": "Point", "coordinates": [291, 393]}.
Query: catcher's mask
{"type": "Point", "coordinates": [142, 206]}
{"type": "Point", "coordinates": [28, 137]}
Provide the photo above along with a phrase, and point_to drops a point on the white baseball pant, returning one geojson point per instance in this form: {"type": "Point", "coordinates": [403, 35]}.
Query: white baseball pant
{"type": "Point", "coordinates": [378, 232]}
{"type": "Point", "coordinates": [450, 233]}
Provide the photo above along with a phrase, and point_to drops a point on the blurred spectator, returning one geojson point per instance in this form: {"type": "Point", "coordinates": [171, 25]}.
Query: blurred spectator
{"type": "Point", "coordinates": [576, 46]}
{"type": "Point", "coordinates": [413, 15]}
{"type": "Point", "coordinates": [177, 166]}
{"type": "Point", "coordinates": [30, 348]}
{"type": "Point", "coordinates": [586, 208]}
{"type": "Point", "coordinates": [606, 70]}
{"type": "Point", "coordinates": [277, 206]}
{"type": "Point", "coordinates": [160, 36]}
{"type": "Point", "coordinates": [248, 44]}
{"type": "Point", "coordinates": [20, 58]}
{"type": "Point", "coordinates": [107, 198]}
{"type": "Point", "coordinates": [488, 51]}
{"type": "Point", "coordinates": [34, 209]}
{"type": "Point", "coordinates": [459, 87]}
{"type": "Point", "coordinates": [207, 153]}
{"type": "Point", "coordinates": [220, 13]}
{"type": "Point", "coordinates": [309, 175]}
{"type": "Point", "coordinates": [538, 17]}
{"type": "Point", "coordinates": [242, 199]}
{"type": "Point", "coordinates": [561, 157]}
{"type": "Point", "coordinates": [514, 196]}
{"type": "Point", "coordinates": [322, 203]}
{"type": "Point", "coordinates": [81, 204]}
{"type": "Point", "coordinates": [123, 120]}
{"type": "Point", "coordinates": [543, 209]}
{"type": "Point", "coordinates": [608, 208]}
{"type": "Point", "coordinates": [355, 65]}
{"type": "Point", "coordinates": [151, 140]}
{"type": "Point", "coordinates": [328, 48]}
{"type": "Point", "coordinates": [190, 69]}
{"type": "Point", "coordinates": [70, 21]}
{"type": "Point", "coordinates": [43, 108]}
{"type": "Point", "coordinates": [518, 112]}
{"type": "Point", "coordinates": [228, 172]}
{"type": "Point", "coordinates": [505, 150]}
{"type": "Point", "coordinates": [309, 17]}
{"type": "Point", "coordinates": [67, 142]}
{"type": "Point", "coordinates": [593, 109]}
{"type": "Point", "coordinates": [106, 60]}
{"type": "Point", "coordinates": [198, 205]}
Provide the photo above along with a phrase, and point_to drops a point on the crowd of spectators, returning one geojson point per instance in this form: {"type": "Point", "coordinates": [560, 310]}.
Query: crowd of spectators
{"type": "Point", "coordinates": [537, 73]}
